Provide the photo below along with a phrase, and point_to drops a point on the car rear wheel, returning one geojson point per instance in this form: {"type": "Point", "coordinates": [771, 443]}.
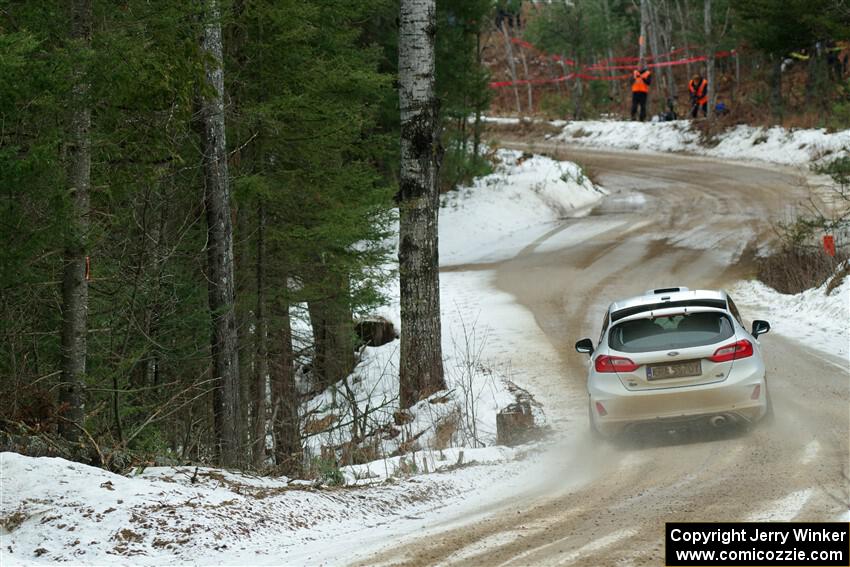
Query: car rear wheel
{"type": "Point", "coordinates": [594, 432]}
{"type": "Point", "coordinates": [768, 415]}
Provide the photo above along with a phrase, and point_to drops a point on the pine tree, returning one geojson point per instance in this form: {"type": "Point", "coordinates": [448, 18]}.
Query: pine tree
{"type": "Point", "coordinates": [75, 293]}
{"type": "Point", "coordinates": [778, 27]}
{"type": "Point", "coordinates": [35, 202]}
{"type": "Point", "coordinates": [220, 247]}
{"type": "Point", "coordinates": [461, 82]}
{"type": "Point", "coordinates": [309, 154]}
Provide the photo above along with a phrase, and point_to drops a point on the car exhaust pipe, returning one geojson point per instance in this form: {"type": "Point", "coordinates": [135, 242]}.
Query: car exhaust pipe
{"type": "Point", "coordinates": [718, 421]}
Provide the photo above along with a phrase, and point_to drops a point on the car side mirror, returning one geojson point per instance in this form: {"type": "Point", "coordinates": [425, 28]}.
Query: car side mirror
{"type": "Point", "coordinates": [760, 327]}
{"type": "Point", "coordinates": [584, 346]}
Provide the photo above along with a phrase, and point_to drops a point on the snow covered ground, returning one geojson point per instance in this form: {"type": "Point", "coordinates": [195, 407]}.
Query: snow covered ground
{"type": "Point", "coordinates": [504, 211]}
{"type": "Point", "coordinates": [774, 145]}
{"type": "Point", "coordinates": [798, 147]}
{"type": "Point", "coordinates": [818, 319]}
{"type": "Point", "coordinates": [54, 510]}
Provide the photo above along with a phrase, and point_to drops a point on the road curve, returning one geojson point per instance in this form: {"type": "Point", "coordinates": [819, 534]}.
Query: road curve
{"type": "Point", "coordinates": [670, 220]}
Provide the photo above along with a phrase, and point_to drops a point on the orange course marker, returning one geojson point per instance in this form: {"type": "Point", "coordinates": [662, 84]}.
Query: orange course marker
{"type": "Point", "coordinates": [829, 244]}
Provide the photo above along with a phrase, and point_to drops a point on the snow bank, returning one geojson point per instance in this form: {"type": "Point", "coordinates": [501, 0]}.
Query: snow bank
{"type": "Point", "coordinates": [818, 319]}
{"type": "Point", "coordinates": [53, 510]}
{"type": "Point", "coordinates": [500, 213]}
{"type": "Point", "coordinates": [774, 145]}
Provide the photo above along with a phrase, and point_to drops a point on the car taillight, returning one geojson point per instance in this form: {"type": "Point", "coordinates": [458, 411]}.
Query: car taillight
{"type": "Point", "coordinates": [741, 349]}
{"type": "Point", "coordinates": [605, 363]}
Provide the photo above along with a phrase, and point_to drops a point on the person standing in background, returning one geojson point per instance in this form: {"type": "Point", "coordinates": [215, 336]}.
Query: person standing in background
{"type": "Point", "coordinates": [698, 87]}
{"type": "Point", "coordinates": [641, 79]}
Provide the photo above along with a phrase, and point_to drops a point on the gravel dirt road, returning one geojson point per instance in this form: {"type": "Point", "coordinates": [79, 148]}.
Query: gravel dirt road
{"type": "Point", "coordinates": [670, 220]}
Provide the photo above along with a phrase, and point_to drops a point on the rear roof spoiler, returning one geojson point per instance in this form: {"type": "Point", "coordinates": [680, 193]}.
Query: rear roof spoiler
{"type": "Point", "coordinates": [717, 303]}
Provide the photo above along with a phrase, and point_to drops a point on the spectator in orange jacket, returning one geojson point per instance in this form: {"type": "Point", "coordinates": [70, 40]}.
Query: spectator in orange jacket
{"type": "Point", "coordinates": [698, 87]}
{"type": "Point", "coordinates": [640, 90]}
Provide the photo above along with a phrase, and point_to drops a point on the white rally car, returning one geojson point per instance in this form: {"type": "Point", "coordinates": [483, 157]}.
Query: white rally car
{"type": "Point", "coordinates": [674, 357]}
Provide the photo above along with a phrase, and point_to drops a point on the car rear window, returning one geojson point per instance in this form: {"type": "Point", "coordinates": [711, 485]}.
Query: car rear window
{"type": "Point", "coordinates": [673, 331]}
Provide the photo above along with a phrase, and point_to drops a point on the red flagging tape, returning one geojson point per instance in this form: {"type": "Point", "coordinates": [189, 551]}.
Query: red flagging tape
{"type": "Point", "coordinates": [498, 84]}
{"type": "Point", "coordinates": [700, 58]}
{"type": "Point", "coordinates": [532, 47]}
{"type": "Point", "coordinates": [527, 45]}
{"type": "Point", "coordinates": [696, 59]}
{"type": "Point", "coordinates": [648, 57]}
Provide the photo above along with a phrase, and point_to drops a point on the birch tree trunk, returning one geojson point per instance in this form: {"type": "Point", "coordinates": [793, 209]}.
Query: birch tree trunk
{"type": "Point", "coordinates": [528, 87]}
{"type": "Point", "coordinates": [564, 71]}
{"type": "Point", "coordinates": [224, 349]}
{"type": "Point", "coordinates": [656, 49]}
{"type": "Point", "coordinates": [553, 69]}
{"type": "Point", "coordinates": [579, 47]}
{"type": "Point", "coordinates": [614, 86]}
{"type": "Point", "coordinates": [421, 356]}
{"type": "Point", "coordinates": [578, 92]}
{"type": "Point", "coordinates": [683, 19]}
{"type": "Point", "coordinates": [509, 53]}
{"type": "Point", "coordinates": [666, 37]}
{"type": "Point", "coordinates": [644, 22]}
{"type": "Point", "coordinates": [709, 63]}
{"type": "Point", "coordinates": [75, 291]}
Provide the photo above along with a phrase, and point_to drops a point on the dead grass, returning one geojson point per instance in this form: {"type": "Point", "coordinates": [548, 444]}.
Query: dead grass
{"type": "Point", "coordinates": [445, 431]}
{"type": "Point", "coordinates": [314, 426]}
{"type": "Point", "coordinates": [525, 130]}
{"type": "Point", "coordinates": [128, 535]}
{"type": "Point", "coordinates": [838, 278]}
{"type": "Point", "coordinates": [11, 522]}
{"type": "Point", "coordinates": [804, 120]}
{"type": "Point", "coordinates": [796, 269]}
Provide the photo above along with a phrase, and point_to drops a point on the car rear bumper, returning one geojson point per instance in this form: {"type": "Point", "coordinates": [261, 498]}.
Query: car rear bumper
{"type": "Point", "coordinates": [731, 398]}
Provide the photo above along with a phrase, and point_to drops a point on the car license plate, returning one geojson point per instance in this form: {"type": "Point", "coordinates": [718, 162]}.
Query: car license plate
{"type": "Point", "coordinates": [677, 370]}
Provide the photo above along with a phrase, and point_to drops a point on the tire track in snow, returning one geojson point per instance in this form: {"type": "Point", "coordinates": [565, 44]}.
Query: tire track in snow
{"type": "Point", "coordinates": [592, 547]}
{"type": "Point", "coordinates": [784, 509]}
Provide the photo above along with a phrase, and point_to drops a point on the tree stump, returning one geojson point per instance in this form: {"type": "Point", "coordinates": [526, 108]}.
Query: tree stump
{"type": "Point", "coordinates": [375, 331]}
{"type": "Point", "coordinates": [514, 424]}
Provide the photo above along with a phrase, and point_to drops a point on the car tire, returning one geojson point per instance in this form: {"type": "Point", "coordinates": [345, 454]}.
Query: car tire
{"type": "Point", "coordinates": [768, 415]}
{"type": "Point", "coordinates": [595, 434]}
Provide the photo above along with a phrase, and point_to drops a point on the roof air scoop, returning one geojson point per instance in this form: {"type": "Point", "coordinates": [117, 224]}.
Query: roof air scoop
{"type": "Point", "coordinates": [666, 290]}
